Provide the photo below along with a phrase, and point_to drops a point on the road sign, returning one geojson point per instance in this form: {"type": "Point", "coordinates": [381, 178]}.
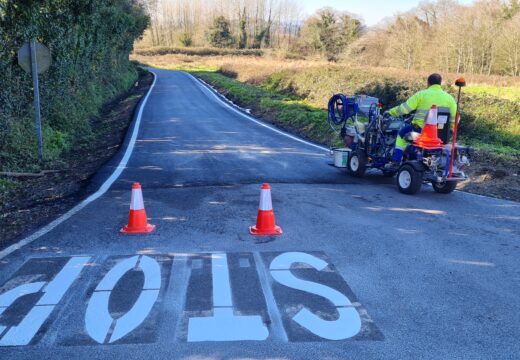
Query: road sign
{"type": "Point", "coordinates": [35, 58]}
{"type": "Point", "coordinates": [43, 57]}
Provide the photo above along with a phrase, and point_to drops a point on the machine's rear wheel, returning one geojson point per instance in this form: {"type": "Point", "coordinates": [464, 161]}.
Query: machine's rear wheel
{"type": "Point", "coordinates": [444, 187]}
{"type": "Point", "coordinates": [409, 180]}
{"type": "Point", "coordinates": [357, 162]}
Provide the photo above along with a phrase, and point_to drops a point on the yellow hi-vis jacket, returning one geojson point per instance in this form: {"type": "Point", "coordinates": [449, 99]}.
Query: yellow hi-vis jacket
{"type": "Point", "coordinates": [423, 101]}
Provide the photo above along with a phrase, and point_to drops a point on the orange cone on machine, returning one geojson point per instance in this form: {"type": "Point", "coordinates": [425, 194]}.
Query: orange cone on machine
{"type": "Point", "coordinates": [137, 221]}
{"type": "Point", "coordinates": [265, 223]}
{"type": "Point", "coordinates": [428, 138]}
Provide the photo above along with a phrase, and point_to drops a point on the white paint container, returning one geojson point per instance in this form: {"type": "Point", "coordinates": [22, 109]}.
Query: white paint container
{"type": "Point", "coordinates": [341, 157]}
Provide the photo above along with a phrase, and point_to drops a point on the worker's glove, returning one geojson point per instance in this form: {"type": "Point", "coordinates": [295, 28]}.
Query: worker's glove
{"type": "Point", "coordinates": [386, 114]}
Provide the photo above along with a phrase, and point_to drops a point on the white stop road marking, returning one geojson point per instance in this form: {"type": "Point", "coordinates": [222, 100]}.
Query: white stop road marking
{"type": "Point", "coordinates": [225, 323]}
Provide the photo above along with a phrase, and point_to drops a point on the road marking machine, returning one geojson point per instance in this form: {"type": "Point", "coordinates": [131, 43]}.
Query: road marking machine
{"type": "Point", "coordinates": [369, 139]}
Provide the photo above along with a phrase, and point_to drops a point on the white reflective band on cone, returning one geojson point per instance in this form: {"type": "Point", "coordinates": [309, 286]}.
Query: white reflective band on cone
{"type": "Point", "coordinates": [432, 117]}
{"type": "Point", "coordinates": [137, 200]}
{"type": "Point", "coordinates": [265, 200]}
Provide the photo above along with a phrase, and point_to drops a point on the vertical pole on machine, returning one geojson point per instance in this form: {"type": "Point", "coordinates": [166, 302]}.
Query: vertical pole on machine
{"type": "Point", "coordinates": [460, 82]}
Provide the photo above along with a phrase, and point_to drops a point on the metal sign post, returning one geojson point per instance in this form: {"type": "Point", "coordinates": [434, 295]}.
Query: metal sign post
{"type": "Point", "coordinates": [36, 87]}
{"type": "Point", "coordinates": [35, 58]}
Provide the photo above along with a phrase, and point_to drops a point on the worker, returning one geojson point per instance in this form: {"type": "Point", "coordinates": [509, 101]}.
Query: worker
{"type": "Point", "coordinates": [421, 103]}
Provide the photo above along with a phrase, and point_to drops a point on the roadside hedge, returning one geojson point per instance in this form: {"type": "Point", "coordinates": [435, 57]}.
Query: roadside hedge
{"type": "Point", "coordinates": [90, 41]}
{"type": "Point", "coordinates": [197, 51]}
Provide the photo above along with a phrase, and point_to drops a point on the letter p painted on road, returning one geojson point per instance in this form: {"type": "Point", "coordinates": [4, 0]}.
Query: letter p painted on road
{"type": "Point", "coordinates": [52, 293]}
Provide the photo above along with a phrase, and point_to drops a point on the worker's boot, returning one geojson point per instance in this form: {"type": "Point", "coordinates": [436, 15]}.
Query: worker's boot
{"type": "Point", "coordinates": [392, 166]}
{"type": "Point", "coordinates": [395, 163]}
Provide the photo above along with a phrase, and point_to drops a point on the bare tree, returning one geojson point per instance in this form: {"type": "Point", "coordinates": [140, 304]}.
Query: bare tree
{"type": "Point", "coordinates": [510, 46]}
{"type": "Point", "coordinates": [252, 22]}
{"type": "Point", "coordinates": [478, 38]}
{"type": "Point", "coordinates": [483, 37]}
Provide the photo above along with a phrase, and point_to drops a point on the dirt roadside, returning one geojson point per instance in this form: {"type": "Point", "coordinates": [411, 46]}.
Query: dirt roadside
{"type": "Point", "coordinates": [493, 177]}
{"type": "Point", "coordinates": [28, 203]}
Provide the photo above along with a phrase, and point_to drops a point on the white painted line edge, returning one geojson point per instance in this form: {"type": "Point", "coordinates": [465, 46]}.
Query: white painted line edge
{"type": "Point", "coordinates": [102, 189]}
{"type": "Point", "coordinates": [237, 109]}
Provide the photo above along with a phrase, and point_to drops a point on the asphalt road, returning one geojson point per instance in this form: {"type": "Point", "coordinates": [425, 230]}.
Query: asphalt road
{"type": "Point", "coordinates": [360, 272]}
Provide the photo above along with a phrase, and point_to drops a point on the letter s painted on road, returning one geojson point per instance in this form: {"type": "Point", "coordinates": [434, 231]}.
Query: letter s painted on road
{"type": "Point", "coordinates": [348, 323]}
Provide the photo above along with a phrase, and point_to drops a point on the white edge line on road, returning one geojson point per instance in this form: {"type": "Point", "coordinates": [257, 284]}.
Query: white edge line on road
{"type": "Point", "coordinates": [223, 100]}
{"type": "Point", "coordinates": [229, 104]}
{"type": "Point", "coordinates": [102, 189]}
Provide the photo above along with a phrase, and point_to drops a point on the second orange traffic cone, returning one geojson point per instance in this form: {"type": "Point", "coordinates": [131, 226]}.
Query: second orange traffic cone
{"type": "Point", "coordinates": [137, 220]}
{"type": "Point", "coordinates": [429, 138]}
{"type": "Point", "coordinates": [265, 223]}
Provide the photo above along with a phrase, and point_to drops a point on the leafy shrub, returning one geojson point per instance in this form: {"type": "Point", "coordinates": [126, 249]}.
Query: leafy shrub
{"type": "Point", "coordinates": [186, 39]}
{"type": "Point", "coordinates": [219, 34]}
{"type": "Point", "coordinates": [90, 42]}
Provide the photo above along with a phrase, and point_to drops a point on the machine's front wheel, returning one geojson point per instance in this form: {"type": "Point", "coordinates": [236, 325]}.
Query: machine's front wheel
{"type": "Point", "coordinates": [444, 187]}
{"type": "Point", "coordinates": [357, 162]}
{"type": "Point", "coordinates": [409, 180]}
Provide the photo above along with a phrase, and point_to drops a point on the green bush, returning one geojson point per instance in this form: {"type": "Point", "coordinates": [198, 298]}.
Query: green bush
{"type": "Point", "coordinates": [186, 39]}
{"type": "Point", "coordinates": [219, 34]}
{"type": "Point", "coordinates": [90, 42]}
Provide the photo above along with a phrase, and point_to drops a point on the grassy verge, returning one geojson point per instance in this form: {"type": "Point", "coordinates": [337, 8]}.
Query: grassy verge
{"type": "Point", "coordinates": [504, 92]}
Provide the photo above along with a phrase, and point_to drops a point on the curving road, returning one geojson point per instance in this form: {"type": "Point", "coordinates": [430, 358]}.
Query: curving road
{"type": "Point", "coordinates": [385, 275]}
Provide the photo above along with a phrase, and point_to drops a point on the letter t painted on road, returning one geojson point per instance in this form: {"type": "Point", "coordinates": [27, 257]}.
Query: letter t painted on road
{"type": "Point", "coordinates": [224, 325]}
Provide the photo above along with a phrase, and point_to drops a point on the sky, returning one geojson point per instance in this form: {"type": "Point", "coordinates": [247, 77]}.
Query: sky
{"type": "Point", "coordinates": [372, 11]}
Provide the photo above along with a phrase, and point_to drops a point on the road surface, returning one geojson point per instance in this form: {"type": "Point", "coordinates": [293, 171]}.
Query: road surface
{"type": "Point", "coordinates": [360, 272]}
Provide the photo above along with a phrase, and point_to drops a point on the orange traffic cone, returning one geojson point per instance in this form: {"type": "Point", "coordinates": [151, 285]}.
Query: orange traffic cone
{"type": "Point", "coordinates": [428, 138]}
{"type": "Point", "coordinates": [137, 221]}
{"type": "Point", "coordinates": [265, 223]}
